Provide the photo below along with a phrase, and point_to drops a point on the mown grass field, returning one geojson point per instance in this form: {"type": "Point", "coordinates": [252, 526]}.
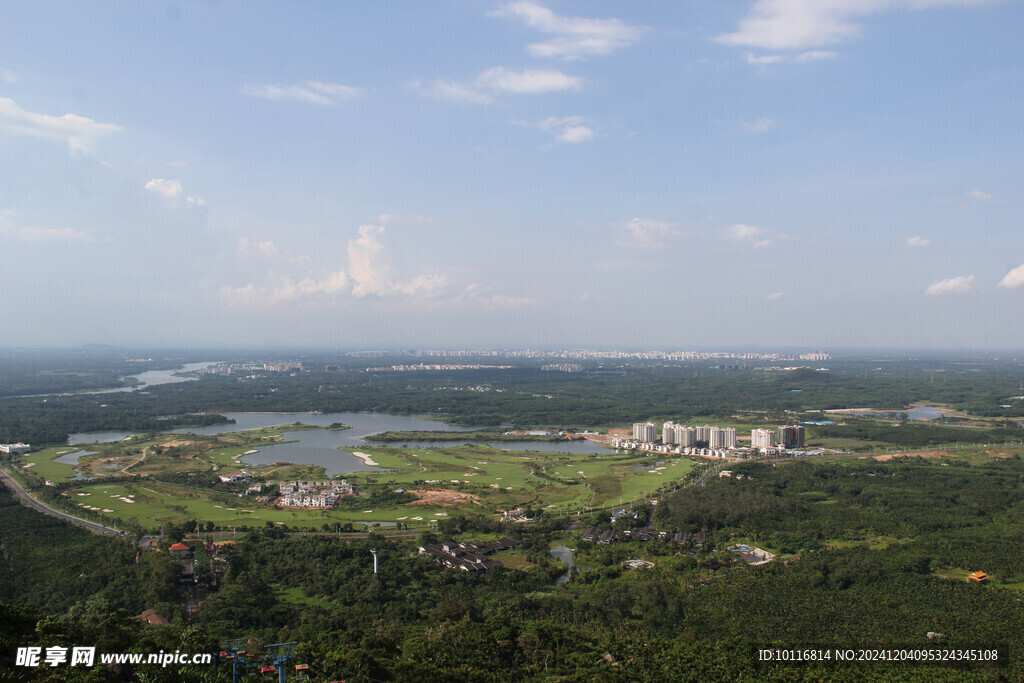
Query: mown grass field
{"type": "Point", "coordinates": [493, 479]}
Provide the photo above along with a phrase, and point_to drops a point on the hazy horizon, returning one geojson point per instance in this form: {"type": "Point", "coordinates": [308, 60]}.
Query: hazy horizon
{"type": "Point", "coordinates": [564, 174]}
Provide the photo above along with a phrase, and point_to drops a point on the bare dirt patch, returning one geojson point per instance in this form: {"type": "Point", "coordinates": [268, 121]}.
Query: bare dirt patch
{"type": "Point", "coordinates": [918, 454]}
{"type": "Point", "coordinates": [998, 454]}
{"type": "Point", "coordinates": [443, 498]}
{"type": "Point", "coordinates": [617, 433]}
{"type": "Point", "coordinates": [181, 442]}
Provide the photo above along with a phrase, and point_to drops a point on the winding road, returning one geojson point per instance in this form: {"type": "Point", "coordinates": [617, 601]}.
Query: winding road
{"type": "Point", "coordinates": [31, 502]}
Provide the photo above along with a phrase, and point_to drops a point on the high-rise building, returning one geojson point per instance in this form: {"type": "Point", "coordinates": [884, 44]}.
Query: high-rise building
{"type": "Point", "coordinates": [685, 436]}
{"type": "Point", "coordinates": [704, 433]}
{"type": "Point", "coordinates": [791, 436]}
{"type": "Point", "coordinates": [645, 431]}
{"type": "Point", "coordinates": [762, 438]}
{"type": "Point", "coordinates": [668, 432]}
{"type": "Point", "coordinates": [722, 437]}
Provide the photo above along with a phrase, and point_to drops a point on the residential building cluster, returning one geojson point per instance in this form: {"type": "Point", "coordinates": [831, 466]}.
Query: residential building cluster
{"type": "Point", "coordinates": [15, 448]}
{"type": "Point", "coordinates": [233, 368]}
{"type": "Point", "coordinates": [468, 556]}
{"type": "Point", "coordinates": [562, 367]}
{"type": "Point", "coordinates": [312, 494]}
{"type": "Point", "coordinates": [437, 366]}
{"type": "Point", "coordinates": [235, 477]}
{"type": "Point", "coordinates": [588, 354]}
{"type": "Point", "coordinates": [708, 441]}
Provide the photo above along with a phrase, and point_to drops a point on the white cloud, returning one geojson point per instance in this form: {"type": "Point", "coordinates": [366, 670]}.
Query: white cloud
{"type": "Point", "coordinates": [268, 248]}
{"type": "Point", "coordinates": [953, 285]}
{"type": "Point", "coordinates": [575, 37]}
{"type": "Point", "coordinates": [759, 237]}
{"type": "Point", "coordinates": [980, 196]}
{"type": "Point", "coordinates": [499, 79]}
{"type": "Point", "coordinates": [808, 56]}
{"type": "Point", "coordinates": [311, 92]}
{"type": "Point", "coordinates": [452, 91]}
{"type": "Point", "coordinates": [774, 296]}
{"type": "Point", "coordinates": [568, 130]}
{"type": "Point", "coordinates": [918, 241]}
{"type": "Point", "coordinates": [80, 133]}
{"type": "Point", "coordinates": [168, 188]}
{"type": "Point", "coordinates": [1013, 279]}
{"type": "Point", "coordinates": [815, 55]}
{"type": "Point", "coordinates": [646, 233]}
{"type": "Point", "coordinates": [803, 24]}
{"type": "Point", "coordinates": [482, 297]}
{"type": "Point", "coordinates": [527, 81]}
{"type": "Point", "coordinates": [368, 274]}
{"type": "Point", "coordinates": [30, 234]}
{"type": "Point", "coordinates": [7, 76]}
{"type": "Point", "coordinates": [762, 125]}
{"type": "Point", "coordinates": [172, 189]}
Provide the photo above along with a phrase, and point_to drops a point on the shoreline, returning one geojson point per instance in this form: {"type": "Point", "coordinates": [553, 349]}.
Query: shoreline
{"type": "Point", "coordinates": [366, 458]}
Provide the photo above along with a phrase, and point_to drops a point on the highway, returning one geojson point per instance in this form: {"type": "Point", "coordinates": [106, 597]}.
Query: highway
{"type": "Point", "coordinates": [31, 502]}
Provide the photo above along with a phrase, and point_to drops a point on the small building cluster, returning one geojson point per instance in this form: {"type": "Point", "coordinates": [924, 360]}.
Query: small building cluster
{"type": "Point", "coordinates": [312, 494]}
{"type": "Point", "coordinates": [234, 477]}
{"type": "Point", "coordinates": [468, 556]}
{"type": "Point", "coordinates": [14, 448]}
{"type": "Point", "coordinates": [645, 534]}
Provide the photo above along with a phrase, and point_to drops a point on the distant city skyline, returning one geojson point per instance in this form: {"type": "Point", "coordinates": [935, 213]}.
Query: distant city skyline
{"type": "Point", "coordinates": [773, 174]}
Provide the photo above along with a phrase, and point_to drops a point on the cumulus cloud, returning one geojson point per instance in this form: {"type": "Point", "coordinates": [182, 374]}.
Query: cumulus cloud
{"type": "Point", "coordinates": [805, 24]}
{"type": "Point", "coordinates": [646, 233]}
{"type": "Point", "coordinates": [574, 37]}
{"type": "Point", "coordinates": [568, 130]}
{"type": "Point", "coordinates": [1013, 279]}
{"type": "Point", "coordinates": [759, 237]}
{"type": "Point", "coordinates": [310, 92]}
{"type": "Point", "coordinates": [31, 234]}
{"type": "Point", "coordinates": [499, 79]}
{"type": "Point", "coordinates": [918, 241]}
{"type": "Point", "coordinates": [172, 189]}
{"type": "Point", "coordinates": [774, 296]}
{"type": "Point", "coordinates": [367, 274]}
{"type": "Point", "coordinates": [762, 125]}
{"type": "Point", "coordinates": [953, 285]}
{"type": "Point", "coordinates": [164, 186]}
{"type": "Point", "coordinates": [80, 133]}
{"type": "Point", "coordinates": [980, 196]}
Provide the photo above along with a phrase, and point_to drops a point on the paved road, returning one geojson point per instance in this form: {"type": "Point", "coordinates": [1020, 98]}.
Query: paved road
{"type": "Point", "coordinates": [31, 502]}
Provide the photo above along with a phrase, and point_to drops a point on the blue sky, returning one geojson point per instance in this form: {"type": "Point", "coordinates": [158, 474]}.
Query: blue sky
{"type": "Point", "coordinates": [817, 173]}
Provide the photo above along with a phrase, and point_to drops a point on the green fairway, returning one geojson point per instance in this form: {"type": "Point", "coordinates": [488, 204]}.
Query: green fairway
{"type": "Point", "coordinates": [486, 480]}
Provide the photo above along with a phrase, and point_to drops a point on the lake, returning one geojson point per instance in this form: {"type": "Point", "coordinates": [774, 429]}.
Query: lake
{"type": "Point", "coordinates": [331, 448]}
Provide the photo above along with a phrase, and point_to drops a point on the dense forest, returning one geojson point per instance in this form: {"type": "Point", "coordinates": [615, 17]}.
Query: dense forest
{"type": "Point", "coordinates": [527, 396]}
{"type": "Point", "coordinates": [864, 545]}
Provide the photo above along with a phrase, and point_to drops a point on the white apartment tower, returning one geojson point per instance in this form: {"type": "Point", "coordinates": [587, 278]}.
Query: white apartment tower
{"type": "Point", "coordinates": [685, 436]}
{"type": "Point", "coordinates": [668, 432]}
{"type": "Point", "coordinates": [762, 438]}
{"type": "Point", "coordinates": [645, 431]}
